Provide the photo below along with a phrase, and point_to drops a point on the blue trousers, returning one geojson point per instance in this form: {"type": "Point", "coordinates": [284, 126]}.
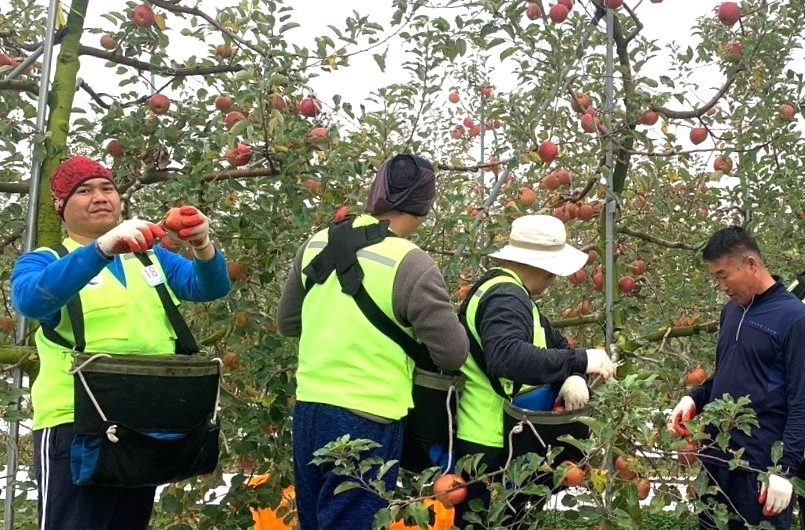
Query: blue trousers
{"type": "Point", "coordinates": [739, 490]}
{"type": "Point", "coordinates": [318, 506]}
{"type": "Point", "coordinates": [65, 506]}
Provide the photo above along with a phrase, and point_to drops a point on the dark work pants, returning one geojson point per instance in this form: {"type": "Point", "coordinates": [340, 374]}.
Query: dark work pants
{"type": "Point", "coordinates": [318, 506]}
{"type": "Point", "coordinates": [739, 491]}
{"type": "Point", "coordinates": [65, 506]}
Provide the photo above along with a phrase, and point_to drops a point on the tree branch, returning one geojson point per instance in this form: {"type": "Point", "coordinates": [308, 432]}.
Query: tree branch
{"type": "Point", "coordinates": [20, 85]}
{"type": "Point", "coordinates": [695, 113]}
{"type": "Point", "coordinates": [173, 7]}
{"type": "Point", "coordinates": [658, 240]}
{"type": "Point", "coordinates": [159, 70]}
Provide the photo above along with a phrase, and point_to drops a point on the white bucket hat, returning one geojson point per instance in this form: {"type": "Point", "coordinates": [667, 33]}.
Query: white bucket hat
{"type": "Point", "coordinates": [540, 241]}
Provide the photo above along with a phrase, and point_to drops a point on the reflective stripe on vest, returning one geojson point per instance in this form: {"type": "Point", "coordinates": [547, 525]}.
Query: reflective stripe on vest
{"type": "Point", "coordinates": [480, 415]}
{"type": "Point", "coordinates": [344, 360]}
{"type": "Point", "coordinates": [117, 319]}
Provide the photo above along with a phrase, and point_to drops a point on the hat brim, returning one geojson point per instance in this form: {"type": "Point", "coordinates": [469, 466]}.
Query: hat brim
{"type": "Point", "coordinates": [562, 262]}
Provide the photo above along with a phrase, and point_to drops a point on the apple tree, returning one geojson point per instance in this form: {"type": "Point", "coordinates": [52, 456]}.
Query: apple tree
{"type": "Point", "coordinates": [510, 100]}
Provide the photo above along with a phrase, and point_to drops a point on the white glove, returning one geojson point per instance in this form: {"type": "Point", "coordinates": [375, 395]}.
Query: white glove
{"type": "Point", "coordinates": [598, 362]}
{"type": "Point", "coordinates": [133, 235]}
{"type": "Point", "coordinates": [196, 228]}
{"type": "Point", "coordinates": [574, 392]}
{"type": "Point", "coordinates": [776, 496]}
{"type": "Point", "coordinates": [684, 411]}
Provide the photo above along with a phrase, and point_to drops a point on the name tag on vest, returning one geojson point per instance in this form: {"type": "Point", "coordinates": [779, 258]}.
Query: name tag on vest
{"type": "Point", "coordinates": [152, 276]}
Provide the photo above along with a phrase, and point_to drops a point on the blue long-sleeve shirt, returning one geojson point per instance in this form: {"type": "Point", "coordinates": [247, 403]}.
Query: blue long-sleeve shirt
{"type": "Point", "coordinates": [41, 283]}
{"type": "Point", "coordinates": [761, 354]}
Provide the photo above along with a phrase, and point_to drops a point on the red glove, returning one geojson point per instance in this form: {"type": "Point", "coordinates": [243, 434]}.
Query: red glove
{"type": "Point", "coordinates": [684, 411]}
{"type": "Point", "coordinates": [189, 225]}
{"type": "Point", "coordinates": [133, 235]}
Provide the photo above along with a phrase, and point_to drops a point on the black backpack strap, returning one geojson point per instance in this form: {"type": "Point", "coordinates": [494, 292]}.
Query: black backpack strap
{"type": "Point", "coordinates": [341, 255]}
{"type": "Point", "coordinates": [476, 350]}
{"type": "Point", "coordinates": [799, 287]}
{"type": "Point", "coordinates": [74, 312]}
{"type": "Point", "coordinates": [185, 342]}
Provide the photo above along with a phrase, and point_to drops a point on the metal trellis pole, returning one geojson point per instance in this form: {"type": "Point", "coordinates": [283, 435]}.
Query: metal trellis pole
{"type": "Point", "coordinates": [30, 241]}
{"type": "Point", "coordinates": [611, 203]}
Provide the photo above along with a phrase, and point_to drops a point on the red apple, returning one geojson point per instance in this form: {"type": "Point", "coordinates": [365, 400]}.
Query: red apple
{"type": "Point", "coordinates": [558, 13]}
{"type": "Point", "coordinates": [731, 51]}
{"type": "Point", "coordinates": [143, 16]}
{"type": "Point", "coordinates": [468, 122]}
{"type": "Point", "coordinates": [698, 135]}
{"type": "Point", "coordinates": [550, 182]}
{"type": "Point", "coordinates": [309, 107]}
{"type": "Point", "coordinates": [462, 292]}
{"type": "Point", "coordinates": [589, 122]}
{"type": "Point", "coordinates": [526, 196]}
{"type": "Point", "coordinates": [567, 3]}
{"type": "Point", "coordinates": [695, 376]}
{"type": "Point", "coordinates": [592, 255]}
{"type": "Point", "coordinates": [457, 132]}
{"type": "Point", "coordinates": [577, 277]}
{"type": "Point", "coordinates": [548, 150]}
{"type": "Point", "coordinates": [729, 13]}
{"type": "Point", "coordinates": [486, 91]}
{"type": "Point", "coordinates": [108, 42]}
{"type": "Point", "coordinates": [687, 456]}
{"type": "Point", "coordinates": [232, 117]}
{"type": "Point", "coordinates": [450, 489]}
{"type": "Point", "coordinates": [236, 271]}
{"type": "Point", "coordinates": [643, 488]}
{"type": "Point", "coordinates": [318, 135]}
{"type": "Point", "coordinates": [224, 51]}
{"type": "Point", "coordinates": [723, 164]}
{"type": "Point", "coordinates": [453, 97]}
{"type": "Point", "coordinates": [496, 124]}
{"type": "Point", "coordinates": [159, 103]}
{"type": "Point", "coordinates": [239, 155]}
{"type": "Point", "coordinates": [312, 185]}
{"type": "Point", "coordinates": [626, 284]}
{"type": "Point", "coordinates": [649, 118]}
{"type": "Point", "coordinates": [624, 467]}
{"type": "Point", "coordinates": [613, 4]}
{"type": "Point", "coordinates": [564, 176]}
{"type": "Point", "coordinates": [277, 102]}
{"type": "Point", "coordinates": [340, 214]}
{"type": "Point", "coordinates": [787, 111]}
{"type": "Point", "coordinates": [114, 148]}
{"type": "Point", "coordinates": [580, 103]}
{"type": "Point", "coordinates": [638, 267]}
{"type": "Point", "coordinates": [223, 103]}
{"type": "Point", "coordinates": [475, 130]}
{"type": "Point", "coordinates": [6, 324]}
{"type": "Point", "coordinates": [533, 11]}
{"type": "Point", "coordinates": [574, 475]}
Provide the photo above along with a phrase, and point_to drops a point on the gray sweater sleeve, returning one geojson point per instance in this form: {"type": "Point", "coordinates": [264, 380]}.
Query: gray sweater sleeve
{"type": "Point", "coordinates": [289, 310]}
{"type": "Point", "coordinates": [420, 298]}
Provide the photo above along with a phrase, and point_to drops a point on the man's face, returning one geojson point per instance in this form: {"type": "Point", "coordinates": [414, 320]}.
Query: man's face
{"type": "Point", "coordinates": [736, 277]}
{"type": "Point", "coordinates": [93, 209]}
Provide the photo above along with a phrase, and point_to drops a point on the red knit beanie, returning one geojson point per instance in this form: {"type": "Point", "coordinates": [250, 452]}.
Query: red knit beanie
{"type": "Point", "coordinates": [70, 174]}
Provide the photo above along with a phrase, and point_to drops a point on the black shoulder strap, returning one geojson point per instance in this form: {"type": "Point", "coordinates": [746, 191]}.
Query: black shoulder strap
{"type": "Point", "coordinates": [185, 342]}
{"type": "Point", "coordinates": [341, 255]}
{"type": "Point", "coordinates": [74, 312]}
{"type": "Point", "coordinates": [799, 288]}
{"type": "Point", "coordinates": [476, 350]}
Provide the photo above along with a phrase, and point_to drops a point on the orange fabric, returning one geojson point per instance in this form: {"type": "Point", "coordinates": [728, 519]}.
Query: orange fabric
{"type": "Point", "coordinates": [266, 518]}
{"type": "Point", "coordinates": [444, 517]}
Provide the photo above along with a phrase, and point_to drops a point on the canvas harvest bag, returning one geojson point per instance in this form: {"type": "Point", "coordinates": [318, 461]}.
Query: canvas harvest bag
{"type": "Point", "coordinates": [142, 420]}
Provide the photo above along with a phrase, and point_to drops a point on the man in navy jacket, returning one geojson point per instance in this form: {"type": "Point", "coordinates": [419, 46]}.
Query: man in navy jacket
{"type": "Point", "coordinates": [760, 354]}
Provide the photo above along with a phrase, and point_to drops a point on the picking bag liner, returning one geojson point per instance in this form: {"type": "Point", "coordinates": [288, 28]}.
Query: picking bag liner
{"type": "Point", "coordinates": [535, 431]}
{"type": "Point", "coordinates": [430, 425]}
{"type": "Point", "coordinates": [144, 420]}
